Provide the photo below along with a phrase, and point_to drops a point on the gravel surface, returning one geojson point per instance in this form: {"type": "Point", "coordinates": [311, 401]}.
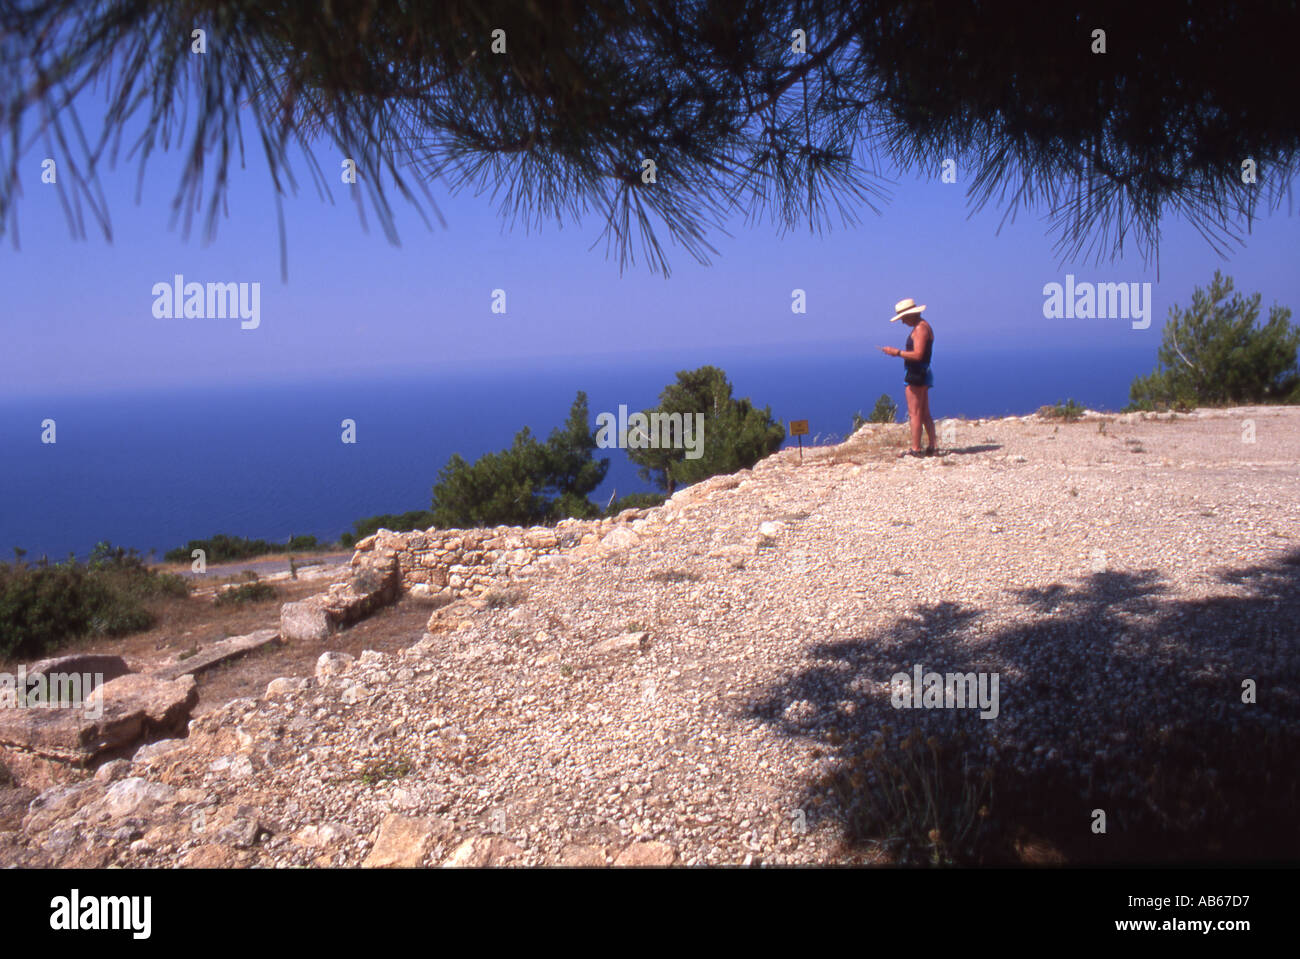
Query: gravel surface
{"type": "Point", "coordinates": [1119, 575]}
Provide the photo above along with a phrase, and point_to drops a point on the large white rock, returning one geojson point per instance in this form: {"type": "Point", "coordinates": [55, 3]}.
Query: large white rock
{"type": "Point", "coordinates": [404, 841]}
{"type": "Point", "coordinates": [479, 851]}
{"type": "Point", "coordinates": [331, 664]}
{"type": "Point", "coordinates": [304, 621]}
{"type": "Point", "coordinates": [620, 538]}
{"type": "Point", "coordinates": [123, 711]}
{"type": "Point", "coordinates": [286, 686]}
{"type": "Point", "coordinates": [624, 643]}
{"type": "Point", "coordinates": [134, 796]}
{"type": "Point", "coordinates": [647, 854]}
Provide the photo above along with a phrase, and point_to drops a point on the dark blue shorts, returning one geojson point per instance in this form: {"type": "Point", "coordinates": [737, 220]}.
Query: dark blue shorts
{"type": "Point", "coordinates": [929, 380]}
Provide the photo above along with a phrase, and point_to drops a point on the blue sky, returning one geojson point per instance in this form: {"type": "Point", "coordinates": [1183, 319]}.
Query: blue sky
{"type": "Point", "coordinates": [78, 314]}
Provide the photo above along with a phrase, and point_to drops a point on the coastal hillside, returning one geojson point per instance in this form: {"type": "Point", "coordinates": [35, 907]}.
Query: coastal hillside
{"type": "Point", "coordinates": [718, 682]}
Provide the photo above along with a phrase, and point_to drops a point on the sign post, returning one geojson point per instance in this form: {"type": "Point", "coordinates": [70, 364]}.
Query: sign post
{"type": "Point", "coordinates": [799, 428]}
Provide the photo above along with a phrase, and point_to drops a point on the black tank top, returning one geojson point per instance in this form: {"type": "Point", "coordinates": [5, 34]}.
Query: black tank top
{"type": "Point", "coordinates": [918, 367]}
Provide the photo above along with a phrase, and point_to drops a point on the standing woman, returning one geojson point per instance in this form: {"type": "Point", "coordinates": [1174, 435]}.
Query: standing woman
{"type": "Point", "coordinates": [917, 376]}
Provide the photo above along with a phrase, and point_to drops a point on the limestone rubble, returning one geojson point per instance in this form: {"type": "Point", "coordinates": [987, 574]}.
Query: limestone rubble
{"type": "Point", "coordinates": [671, 688]}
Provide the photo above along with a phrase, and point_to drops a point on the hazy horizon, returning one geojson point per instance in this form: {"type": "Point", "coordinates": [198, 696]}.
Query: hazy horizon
{"type": "Point", "coordinates": [80, 314]}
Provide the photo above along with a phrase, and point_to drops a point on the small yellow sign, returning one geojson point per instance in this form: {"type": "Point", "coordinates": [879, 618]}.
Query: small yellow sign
{"type": "Point", "coordinates": [798, 427]}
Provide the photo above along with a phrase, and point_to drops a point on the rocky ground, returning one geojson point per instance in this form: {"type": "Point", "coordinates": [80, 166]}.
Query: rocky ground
{"type": "Point", "coordinates": [686, 693]}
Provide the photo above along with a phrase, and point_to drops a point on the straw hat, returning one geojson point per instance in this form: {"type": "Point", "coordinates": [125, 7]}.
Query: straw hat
{"type": "Point", "coordinates": [903, 307]}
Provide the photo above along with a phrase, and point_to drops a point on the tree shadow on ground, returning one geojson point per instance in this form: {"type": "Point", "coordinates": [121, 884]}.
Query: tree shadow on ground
{"type": "Point", "coordinates": [1111, 696]}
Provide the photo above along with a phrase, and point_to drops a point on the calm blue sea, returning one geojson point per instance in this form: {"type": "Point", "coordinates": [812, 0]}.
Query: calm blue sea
{"type": "Point", "coordinates": [153, 470]}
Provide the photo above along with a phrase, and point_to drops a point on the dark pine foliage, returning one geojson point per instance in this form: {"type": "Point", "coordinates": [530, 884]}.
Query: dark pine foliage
{"type": "Point", "coordinates": [734, 119]}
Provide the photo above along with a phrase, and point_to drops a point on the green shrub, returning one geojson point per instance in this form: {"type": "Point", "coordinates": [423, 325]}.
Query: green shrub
{"type": "Point", "coordinates": [922, 802]}
{"type": "Point", "coordinates": [247, 593]}
{"type": "Point", "coordinates": [885, 410]}
{"type": "Point", "coordinates": [397, 522]}
{"type": "Point", "coordinates": [148, 586]}
{"type": "Point", "coordinates": [47, 604]}
{"type": "Point", "coordinates": [530, 483]}
{"type": "Point", "coordinates": [384, 771]}
{"type": "Point", "coordinates": [1216, 352]}
{"type": "Point", "coordinates": [220, 549]}
{"type": "Point", "coordinates": [40, 606]}
{"type": "Point", "coordinates": [736, 433]}
{"type": "Point", "coordinates": [225, 549]}
{"type": "Point", "coordinates": [1069, 411]}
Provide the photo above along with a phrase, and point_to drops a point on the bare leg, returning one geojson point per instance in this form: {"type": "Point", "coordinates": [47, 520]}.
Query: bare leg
{"type": "Point", "coordinates": [926, 419]}
{"type": "Point", "coordinates": [914, 399]}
